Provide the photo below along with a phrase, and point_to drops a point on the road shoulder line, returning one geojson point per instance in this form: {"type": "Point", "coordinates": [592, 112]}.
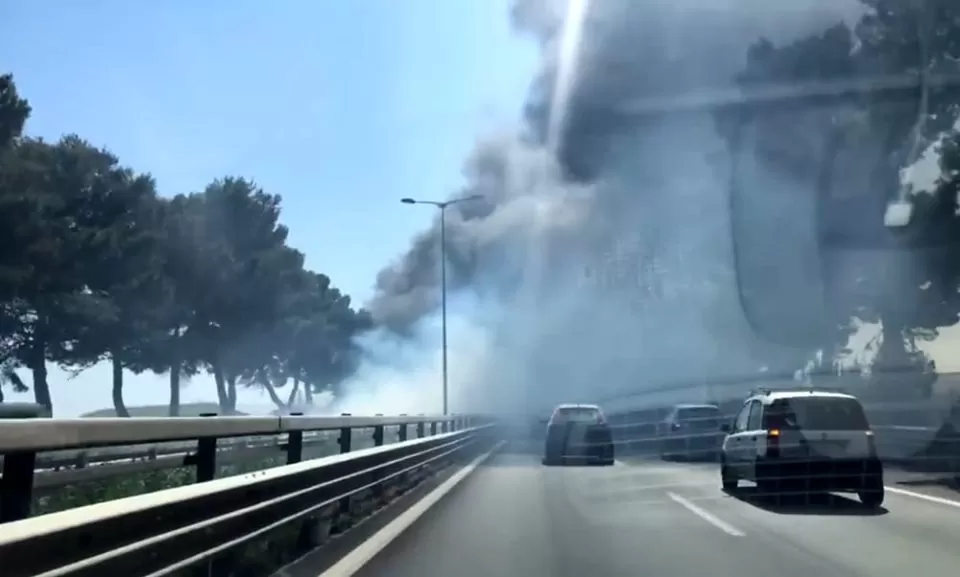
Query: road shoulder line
{"type": "Point", "coordinates": [355, 560]}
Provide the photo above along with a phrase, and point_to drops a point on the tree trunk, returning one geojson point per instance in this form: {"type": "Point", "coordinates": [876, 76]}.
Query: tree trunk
{"type": "Point", "coordinates": [264, 381]}
{"type": "Point", "coordinates": [292, 397]}
{"type": "Point", "coordinates": [176, 366]}
{"type": "Point", "coordinates": [896, 375]}
{"type": "Point", "coordinates": [893, 350]}
{"type": "Point", "coordinates": [38, 366]}
{"type": "Point", "coordinates": [118, 404]}
{"type": "Point", "coordinates": [174, 391]}
{"type": "Point", "coordinates": [222, 396]}
{"type": "Point", "coordinates": [308, 393]}
{"type": "Point", "coordinates": [232, 393]}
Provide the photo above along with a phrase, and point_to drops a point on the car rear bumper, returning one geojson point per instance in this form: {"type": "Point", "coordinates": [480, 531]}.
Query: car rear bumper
{"type": "Point", "coordinates": [825, 474]}
{"type": "Point", "coordinates": [695, 442]}
{"type": "Point", "coordinates": [561, 447]}
{"type": "Point", "coordinates": [579, 459]}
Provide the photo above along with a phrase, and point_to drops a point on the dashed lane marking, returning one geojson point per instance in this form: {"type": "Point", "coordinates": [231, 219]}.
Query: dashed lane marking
{"type": "Point", "coordinates": [707, 516]}
{"type": "Point", "coordinates": [925, 497]}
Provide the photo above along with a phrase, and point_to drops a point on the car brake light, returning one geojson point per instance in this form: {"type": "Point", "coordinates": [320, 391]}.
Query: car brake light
{"type": "Point", "coordinates": [871, 443]}
{"type": "Point", "coordinates": [773, 443]}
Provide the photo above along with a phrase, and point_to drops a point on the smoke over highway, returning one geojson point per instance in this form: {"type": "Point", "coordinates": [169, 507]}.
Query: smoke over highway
{"type": "Point", "coordinates": [602, 245]}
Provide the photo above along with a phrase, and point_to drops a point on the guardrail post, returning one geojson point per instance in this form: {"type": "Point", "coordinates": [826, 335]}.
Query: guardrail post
{"type": "Point", "coordinates": [433, 428]}
{"type": "Point", "coordinates": [345, 441]}
{"type": "Point", "coordinates": [402, 432]}
{"type": "Point", "coordinates": [206, 459]}
{"type": "Point", "coordinates": [421, 430]}
{"type": "Point", "coordinates": [295, 444]}
{"type": "Point", "coordinates": [308, 536]}
{"type": "Point", "coordinates": [378, 491]}
{"type": "Point", "coordinates": [16, 485]}
{"type": "Point", "coordinates": [346, 437]}
{"type": "Point", "coordinates": [378, 433]}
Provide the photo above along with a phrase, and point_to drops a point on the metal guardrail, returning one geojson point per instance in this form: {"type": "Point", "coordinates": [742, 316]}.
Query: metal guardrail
{"type": "Point", "coordinates": [199, 442]}
{"type": "Point", "coordinates": [53, 471]}
{"type": "Point", "coordinates": [198, 526]}
{"type": "Point", "coordinates": [898, 439]}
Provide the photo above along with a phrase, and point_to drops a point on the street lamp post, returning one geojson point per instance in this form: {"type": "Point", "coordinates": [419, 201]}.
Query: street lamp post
{"type": "Point", "coordinates": [442, 205]}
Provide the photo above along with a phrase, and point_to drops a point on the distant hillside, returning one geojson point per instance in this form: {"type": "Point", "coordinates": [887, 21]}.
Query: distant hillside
{"type": "Point", "coordinates": [186, 410]}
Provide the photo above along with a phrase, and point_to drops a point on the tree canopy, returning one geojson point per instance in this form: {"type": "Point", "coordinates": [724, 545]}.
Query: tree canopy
{"type": "Point", "coordinates": [96, 266]}
{"type": "Point", "coordinates": [892, 90]}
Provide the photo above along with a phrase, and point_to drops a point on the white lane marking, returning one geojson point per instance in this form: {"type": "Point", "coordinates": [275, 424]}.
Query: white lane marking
{"type": "Point", "coordinates": [353, 561]}
{"type": "Point", "coordinates": [626, 486]}
{"type": "Point", "coordinates": [931, 498]}
{"type": "Point", "coordinates": [707, 516]}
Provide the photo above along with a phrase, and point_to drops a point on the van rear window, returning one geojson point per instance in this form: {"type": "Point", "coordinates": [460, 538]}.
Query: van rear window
{"type": "Point", "coordinates": [577, 415]}
{"type": "Point", "coordinates": [699, 416]}
{"type": "Point", "coordinates": [816, 414]}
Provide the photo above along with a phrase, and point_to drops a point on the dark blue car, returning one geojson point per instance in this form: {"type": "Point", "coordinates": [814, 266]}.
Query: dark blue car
{"type": "Point", "coordinates": [578, 434]}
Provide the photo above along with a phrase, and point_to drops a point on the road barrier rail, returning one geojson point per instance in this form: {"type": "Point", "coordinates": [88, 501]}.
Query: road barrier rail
{"type": "Point", "coordinates": [54, 468]}
{"type": "Point", "coordinates": [195, 529]}
{"type": "Point", "coordinates": [43, 455]}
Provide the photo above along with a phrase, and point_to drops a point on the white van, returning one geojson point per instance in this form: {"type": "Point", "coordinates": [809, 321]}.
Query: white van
{"type": "Point", "coordinates": [803, 440]}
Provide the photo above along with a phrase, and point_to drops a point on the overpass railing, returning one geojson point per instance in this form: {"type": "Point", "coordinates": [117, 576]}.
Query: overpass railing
{"type": "Point", "coordinates": [44, 455]}
{"type": "Point", "coordinates": [197, 529]}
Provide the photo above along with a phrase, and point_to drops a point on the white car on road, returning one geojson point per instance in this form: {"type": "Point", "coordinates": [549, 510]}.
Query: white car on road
{"type": "Point", "coordinates": [803, 440]}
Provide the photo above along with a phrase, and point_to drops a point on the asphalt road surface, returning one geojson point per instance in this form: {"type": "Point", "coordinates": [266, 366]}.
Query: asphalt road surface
{"type": "Point", "coordinates": [514, 517]}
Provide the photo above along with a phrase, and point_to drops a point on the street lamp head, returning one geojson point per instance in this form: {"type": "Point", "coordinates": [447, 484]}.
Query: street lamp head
{"type": "Point", "coordinates": [408, 201]}
{"type": "Point", "coordinates": [460, 199]}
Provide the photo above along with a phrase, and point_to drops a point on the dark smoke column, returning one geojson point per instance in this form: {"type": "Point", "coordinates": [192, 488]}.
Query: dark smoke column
{"type": "Point", "coordinates": [665, 308]}
{"type": "Point", "coordinates": [443, 275]}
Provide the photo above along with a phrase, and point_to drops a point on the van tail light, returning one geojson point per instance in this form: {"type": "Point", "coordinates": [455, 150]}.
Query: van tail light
{"type": "Point", "coordinates": [773, 443]}
{"type": "Point", "coordinates": [871, 443]}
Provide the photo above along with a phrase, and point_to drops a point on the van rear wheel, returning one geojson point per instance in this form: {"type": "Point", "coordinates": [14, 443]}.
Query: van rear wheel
{"type": "Point", "coordinates": [872, 495]}
{"type": "Point", "coordinates": [871, 498]}
{"type": "Point", "coordinates": [728, 480]}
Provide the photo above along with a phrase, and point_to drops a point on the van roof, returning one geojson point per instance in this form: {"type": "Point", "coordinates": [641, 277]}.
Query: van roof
{"type": "Point", "coordinates": [696, 406]}
{"type": "Point", "coordinates": [778, 395]}
{"type": "Point", "coordinates": [576, 406]}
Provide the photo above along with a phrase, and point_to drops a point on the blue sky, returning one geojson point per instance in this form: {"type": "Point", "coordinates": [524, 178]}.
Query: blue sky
{"type": "Point", "coordinates": [340, 107]}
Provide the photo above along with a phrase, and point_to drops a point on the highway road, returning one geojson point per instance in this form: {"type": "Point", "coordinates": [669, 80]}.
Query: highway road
{"type": "Point", "coordinates": [513, 517]}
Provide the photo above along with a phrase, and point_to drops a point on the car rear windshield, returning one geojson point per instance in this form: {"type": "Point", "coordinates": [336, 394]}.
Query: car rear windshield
{"type": "Point", "coordinates": [817, 414]}
{"type": "Point", "coordinates": [577, 415]}
{"type": "Point", "coordinates": [700, 416]}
